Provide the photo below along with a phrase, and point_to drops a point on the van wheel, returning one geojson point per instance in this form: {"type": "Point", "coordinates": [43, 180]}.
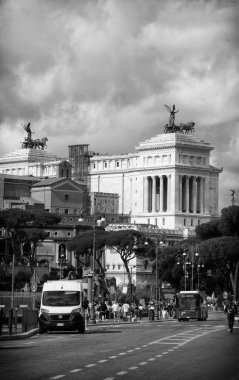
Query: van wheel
{"type": "Point", "coordinates": [81, 327]}
{"type": "Point", "coordinates": [42, 330]}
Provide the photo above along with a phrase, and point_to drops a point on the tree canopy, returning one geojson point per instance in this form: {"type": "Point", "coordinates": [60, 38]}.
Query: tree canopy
{"type": "Point", "coordinates": [27, 226]}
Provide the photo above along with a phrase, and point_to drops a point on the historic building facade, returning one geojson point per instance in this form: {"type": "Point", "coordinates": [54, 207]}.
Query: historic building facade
{"type": "Point", "coordinates": [34, 162]}
{"type": "Point", "coordinates": [168, 182]}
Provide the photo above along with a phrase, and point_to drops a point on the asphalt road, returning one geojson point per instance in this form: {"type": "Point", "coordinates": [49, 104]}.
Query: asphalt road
{"type": "Point", "coordinates": [168, 350]}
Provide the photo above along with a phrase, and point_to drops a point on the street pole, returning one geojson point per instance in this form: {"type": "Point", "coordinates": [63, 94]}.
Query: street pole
{"type": "Point", "coordinates": [130, 294]}
{"type": "Point", "coordinates": [156, 280]}
{"type": "Point", "coordinates": [92, 310]}
{"type": "Point", "coordinates": [185, 271]}
{"type": "Point", "coordinates": [12, 289]}
{"type": "Point", "coordinates": [192, 269]}
{"type": "Point", "coordinates": [198, 277]}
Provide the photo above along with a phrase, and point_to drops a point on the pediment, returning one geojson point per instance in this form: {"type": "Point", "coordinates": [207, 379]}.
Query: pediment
{"type": "Point", "coordinates": [67, 186]}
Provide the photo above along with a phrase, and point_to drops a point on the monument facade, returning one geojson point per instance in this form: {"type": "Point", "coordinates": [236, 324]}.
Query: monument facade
{"type": "Point", "coordinates": [167, 182]}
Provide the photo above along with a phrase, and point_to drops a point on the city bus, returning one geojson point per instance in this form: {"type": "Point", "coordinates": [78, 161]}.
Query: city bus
{"type": "Point", "coordinates": [191, 305]}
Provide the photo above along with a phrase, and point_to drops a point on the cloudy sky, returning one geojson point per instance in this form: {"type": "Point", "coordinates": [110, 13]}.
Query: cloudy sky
{"type": "Point", "coordinates": [100, 71]}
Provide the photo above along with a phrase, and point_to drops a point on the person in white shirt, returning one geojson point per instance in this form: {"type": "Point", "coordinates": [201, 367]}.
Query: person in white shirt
{"type": "Point", "coordinates": [115, 310]}
{"type": "Point", "coordinates": [125, 309]}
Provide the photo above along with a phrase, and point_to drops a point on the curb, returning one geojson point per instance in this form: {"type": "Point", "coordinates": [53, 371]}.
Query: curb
{"type": "Point", "coordinates": [25, 335]}
{"type": "Point", "coordinates": [35, 331]}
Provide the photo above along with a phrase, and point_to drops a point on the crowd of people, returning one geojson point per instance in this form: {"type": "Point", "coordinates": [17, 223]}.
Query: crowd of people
{"type": "Point", "coordinates": [124, 311]}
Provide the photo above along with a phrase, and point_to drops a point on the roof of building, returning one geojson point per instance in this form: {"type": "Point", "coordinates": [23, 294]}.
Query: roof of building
{"type": "Point", "coordinates": [19, 177]}
{"type": "Point", "coordinates": [53, 181]}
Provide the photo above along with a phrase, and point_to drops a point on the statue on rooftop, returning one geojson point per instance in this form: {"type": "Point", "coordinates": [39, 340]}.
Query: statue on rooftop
{"type": "Point", "coordinates": [182, 127]}
{"type": "Point", "coordinates": [172, 114]}
{"type": "Point", "coordinates": [30, 143]}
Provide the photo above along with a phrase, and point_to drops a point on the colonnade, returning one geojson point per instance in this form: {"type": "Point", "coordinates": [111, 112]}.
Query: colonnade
{"type": "Point", "coordinates": [186, 194]}
{"type": "Point", "coordinates": [157, 193]}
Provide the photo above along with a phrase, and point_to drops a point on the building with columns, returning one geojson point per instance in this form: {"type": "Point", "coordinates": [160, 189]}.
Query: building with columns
{"type": "Point", "coordinates": [167, 182]}
{"type": "Point", "coordinates": [34, 162]}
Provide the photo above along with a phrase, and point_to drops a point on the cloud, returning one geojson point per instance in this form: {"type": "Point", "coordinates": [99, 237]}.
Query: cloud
{"type": "Point", "coordinates": [100, 71]}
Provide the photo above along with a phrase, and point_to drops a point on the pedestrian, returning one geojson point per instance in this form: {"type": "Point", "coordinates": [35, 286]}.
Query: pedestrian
{"type": "Point", "coordinates": [151, 310]}
{"type": "Point", "coordinates": [86, 309]}
{"type": "Point", "coordinates": [103, 310]}
{"type": "Point", "coordinates": [125, 310]}
{"type": "Point", "coordinates": [115, 311]}
{"type": "Point", "coordinates": [231, 310]}
{"type": "Point", "coordinates": [141, 308]}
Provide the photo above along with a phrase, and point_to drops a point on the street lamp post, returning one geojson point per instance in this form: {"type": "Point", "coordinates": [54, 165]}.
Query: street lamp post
{"type": "Point", "coordinates": [158, 240]}
{"type": "Point", "coordinates": [92, 309]}
{"type": "Point", "coordinates": [184, 267]}
{"type": "Point", "coordinates": [156, 281]}
{"type": "Point", "coordinates": [92, 296]}
{"type": "Point", "coordinates": [194, 256]}
{"type": "Point", "coordinates": [200, 265]}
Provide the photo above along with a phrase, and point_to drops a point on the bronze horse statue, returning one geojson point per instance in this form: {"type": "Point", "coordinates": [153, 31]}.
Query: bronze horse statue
{"type": "Point", "coordinates": [40, 143]}
{"type": "Point", "coordinates": [29, 143]}
{"type": "Point", "coordinates": [187, 127]}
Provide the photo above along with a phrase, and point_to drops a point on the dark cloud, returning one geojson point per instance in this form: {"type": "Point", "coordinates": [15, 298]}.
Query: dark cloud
{"type": "Point", "coordinates": [83, 70]}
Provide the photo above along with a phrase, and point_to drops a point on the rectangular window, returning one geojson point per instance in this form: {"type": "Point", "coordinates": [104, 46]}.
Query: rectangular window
{"type": "Point", "coordinates": [66, 197]}
{"type": "Point", "coordinates": [119, 266]}
{"type": "Point", "coordinates": [117, 164]}
{"type": "Point", "coordinates": [66, 211]}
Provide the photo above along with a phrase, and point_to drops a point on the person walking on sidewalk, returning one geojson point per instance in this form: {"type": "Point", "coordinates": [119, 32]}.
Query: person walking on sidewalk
{"type": "Point", "coordinates": [86, 308]}
{"type": "Point", "coordinates": [231, 310]}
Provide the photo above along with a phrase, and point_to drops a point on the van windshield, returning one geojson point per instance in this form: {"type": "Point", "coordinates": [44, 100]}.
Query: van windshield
{"type": "Point", "coordinates": [61, 298]}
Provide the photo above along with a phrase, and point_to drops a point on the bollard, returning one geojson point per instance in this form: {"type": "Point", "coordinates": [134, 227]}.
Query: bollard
{"type": "Point", "coordinates": [10, 320]}
{"type": "Point", "coordinates": [1, 319]}
{"type": "Point", "coordinates": [15, 319]}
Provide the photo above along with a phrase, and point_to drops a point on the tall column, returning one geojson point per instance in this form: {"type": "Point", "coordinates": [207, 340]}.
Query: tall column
{"type": "Point", "coordinates": [169, 192]}
{"type": "Point", "coordinates": [206, 193]}
{"type": "Point", "coordinates": [194, 194]}
{"type": "Point", "coordinates": [153, 194]}
{"type": "Point", "coordinates": [187, 193]}
{"type": "Point", "coordinates": [145, 194]}
{"type": "Point", "coordinates": [180, 194]}
{"type": "Point", "coordinates": [161, 193]}
{"type": "Point", "coordinates": [174, 192]}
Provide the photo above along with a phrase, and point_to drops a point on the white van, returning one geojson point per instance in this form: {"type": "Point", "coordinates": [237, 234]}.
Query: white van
{"type": "Point", "coordinates": [61, 306]}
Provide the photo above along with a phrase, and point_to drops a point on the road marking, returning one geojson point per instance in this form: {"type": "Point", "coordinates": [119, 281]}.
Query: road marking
{"type": "Point", "coordinates": [90, 365]}
{"type": "Point", "coordinates": [113, 357]}
{"type": "Point", "coordinates": [121, 373]}
{"type": "Point", "coordinates": [143, 363]}
{"type": "Point", "coordinates": [76, 370]}
{"type": "Point", "coordinates": [151, 359]}
{"type": "Point", "coordinates": [102, 361]}
{"type": "Point", "coordinates": [57, 377]}
{"type": "Point", "coordinates": [133, 368]}
{"type": "Point", "coordinates": [130, 351]}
